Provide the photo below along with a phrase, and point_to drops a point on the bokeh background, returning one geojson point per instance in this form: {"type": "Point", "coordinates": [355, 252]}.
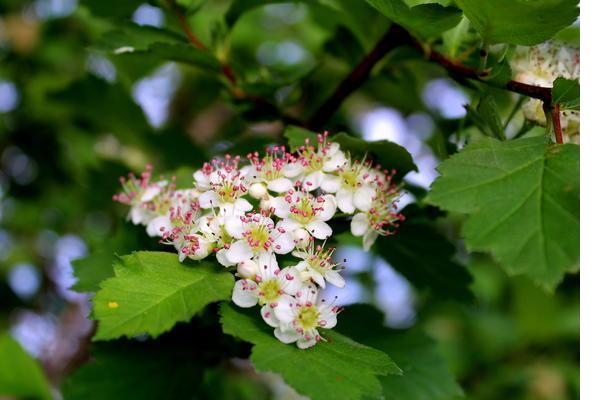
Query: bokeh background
{"type": "Point", "coordinates": [73, 119]}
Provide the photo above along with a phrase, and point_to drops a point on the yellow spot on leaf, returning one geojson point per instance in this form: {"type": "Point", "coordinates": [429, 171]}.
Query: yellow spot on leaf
{"type": "Point", "coordinates": [113, 304]}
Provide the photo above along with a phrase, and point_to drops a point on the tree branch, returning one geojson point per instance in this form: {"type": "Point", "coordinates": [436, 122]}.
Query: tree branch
{"type": "Point", "coordinates": [556, 123]}
{"type": "Point", "coordinates": [395, 37]}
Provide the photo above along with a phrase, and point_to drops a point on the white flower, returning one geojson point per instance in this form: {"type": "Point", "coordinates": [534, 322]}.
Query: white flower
{"type": "Point", "coordinates": [317, 162]}
{"type": "Point", "coordinates": [354, 186]}
{"type": "Point", "coordinates": [213, 229]}
{"type": "Point", "coordinates": [269, 171]}
{"type": "Point", "coordinates": [270, 287]}
{"type": "Point", "coordinates": [308, 314]}
{"type": "Point", "coordinates": [318, 265]}
{"type": "Point", "coordinates": [223, 187]}
{"type": "Point", "coordinates": [382, 218]}
{"type": "Point", "coordinates": [255, 233]}
{"type": "Point", "coordinates": [302, 210]}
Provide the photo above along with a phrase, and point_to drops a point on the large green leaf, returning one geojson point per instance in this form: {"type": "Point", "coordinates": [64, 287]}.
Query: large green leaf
{"type": "Point", "coordinates": [20, 375]}
{"type": "Point", "coordinates": [425, 376]}
{"type": "Point", "coordinates": [522, 198]}
{"type": "Point", "coordinates": [337, 369]}
{"type": "Point", "coordinates": [424, 257]}
{"type": "Point", "coordinates": [566, 93]}
{"type": "Point", "coordinates": [519, 21]}
{"type": "Point", "coordinates": [152, 291]}
{"type": "Point", "coordinates": [426, 20]}
{"type": "Point", "coordinates": [389, 154]}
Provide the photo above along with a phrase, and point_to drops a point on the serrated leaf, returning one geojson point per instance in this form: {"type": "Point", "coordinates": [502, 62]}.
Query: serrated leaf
{"type": "Point", "coordinates": [389, 154]}
{"type": "Point", "coordinates": [425, 20]}
{"type": "Point", "coordinates": [152, 291]}
{"type": "Point", "coordinates": [517, 21]}
{"type": "Point", "coordinates": [424, 257]}
{"type": "Point", "coordinates": [337, 369]}
{"type": "Point", "coordinates": [426, 375]}
{"type": "Point", "coordinates": [566, 93]}
{"type": "Point", "coordinates": [522, 198]}
{"type": "Point", "coordinates": [20, 375]}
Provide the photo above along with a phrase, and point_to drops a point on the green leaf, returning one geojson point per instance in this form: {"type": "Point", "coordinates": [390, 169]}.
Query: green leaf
{"type": "Point", "coordinates": [297, 136]}
{"type": "Point", "coordinates": [426, 375]}
{"type": "Point", "coordinates": [566, 93]}
{"type": "Point", "coordinates": [488, 111]}
{"type": "Point", "coordinates": [20, 375]}
{"type": "Point", "coordinates": [389, 154]}
{"type": "Point", "coordinates": [155, 43]}
{"type": "Point", "coordinates": [424, 257]}
{"type": "Point", "coordinates": [337, 369]}
{"type": "Point", "coordinates": [112, 8]}
{"type": "Point", "coordinates": [152, 291]}
{"type": "Point", "coordinates": [522, 198]}
{"type": "Point", "coordinates": [518, 21]}
{"type": "Point", "coordinates": [92, 270]}
{"type": "Point", "coordinates": [425, 20]}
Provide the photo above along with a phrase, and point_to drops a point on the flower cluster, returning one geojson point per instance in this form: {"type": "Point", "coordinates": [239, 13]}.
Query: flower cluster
{"type": "Point", "coordinates": [540, 66]}
{"type": "Point", "coordinates": [273, 206]}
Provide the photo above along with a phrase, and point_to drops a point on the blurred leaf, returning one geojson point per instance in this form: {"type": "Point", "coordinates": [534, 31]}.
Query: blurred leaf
{"type": "Point", "coordinates": [297, 136]}
{"type": "Point", "coordinates": [338, 368]}
{"type": "Point", "coordinates": [426, 20]}
{"type": "Point", "coordinates": [92, 270]}
{"type": "Point", "coordinates": [523, 200]}
{"type": "Point", "coordinates": [424, 257]}
{"type": "Point", "coordinates": [487, 111]}
{"type": "Point", "coordinates": [517, 21]}
{"type": "Point", "coordinates": [566, 93]}
{"type": "Point", "coordinates": [425, 373]}
{"type": "Point", "coordinates": [20, 375]}
{"type": "Point", "coordinates": [151, 291]}
{"type": "Point", "coordinates": [390, 155]}
{"type": "Point", "coordinates": [569, 35]}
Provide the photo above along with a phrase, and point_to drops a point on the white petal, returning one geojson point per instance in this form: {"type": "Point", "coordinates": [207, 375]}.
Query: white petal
{"type": "Point", "coordinates": [239, 251]}
{"type": "Point", "coordinates": [286, 335]}
{"type": "Point", "coordinates": [202, 180]}
{"type": "Point", "coordinates": [248, 269]}
{"type": "Point", "coordinates": [289, 225]}
{"type": "Point", "coordinates": [284, 311]}
{"type": "Point", "coordinates": [327, 315]}
{"type": "Point", "coordinates": [319, 229]}
{"type": "Point", "coordinates": [334, 162]}
{"type": "Point", "coordinates": [359, 224]}
{"type": "Point", "coordinates": [284, 243]}
{"type": "Point", "coordinates": [317, 278]}
{"type": "Point", "coordinates": [282, 207]}
{"type": "Point", "coordinates": [329, 207]}
{"type": "Point", "coordinates": [280, 185]}
{"type": "Point", "coordinates": [369, 239]}
{"type": "Point", "coordinates": [301, 266]}
{"type": "Point", "coordinates": [335, 279]}
{"type": "Point", "coordinates": [363, 198]}
{"type": "Point", "coordinates": [150, 193]}
{"type": "Point", "coordinates": [234, 226]}
{"type": "Point", "coordinates": [313, 180]}
{"type": "Point", "coordinates": [155, 225]}
{"type": "Point", "coordinates": [208, 199]}
{"type": "Point", "coordinates": [344, 201]}
{"type": "Point", "coordinates": [292, 169]}
{"type": "Point", "coordinates": [245, 293]}
{"type": "Point", "coordinates": [257, 190]}
{"type": "Point", "coordinates": [269, 316]}
{"type": "Point", "coordinates": [222, 258]}
{"type": "Point", "coordinates": [290, 280]}
{"type": "Point", "coordinates": [268, 260]}
{"type": "Point", "coordinates": [137, 215]}
{"type": "Point", "coordinates": [301, 238]}
{"type": "Point", "coordinates": [242, 206]}
{"type": "Point", "coordinates": [331, 183]}
{"type": "Point", "coordinates": [304, 343]}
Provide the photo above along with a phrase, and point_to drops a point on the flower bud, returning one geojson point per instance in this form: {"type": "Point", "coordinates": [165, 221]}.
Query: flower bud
{"type": "Point", "coordinates": [301, 238]}
{"type": "Point", "coordinates": [258, 190]}
{"type": "Point", "coordinates": [247, 269]}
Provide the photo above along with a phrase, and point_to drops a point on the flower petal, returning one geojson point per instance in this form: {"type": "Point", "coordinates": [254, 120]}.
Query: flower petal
{"type": "Point", "coordinates": [369, 239]}
{"type": "Point", "coordinates": [359, 224]}
{"type": "Point", "coordinates": [290, 280]}
{"type": "Point", "coordinates": [286, 335]}
{"type": "Point", "coordinates": [313, 180]}
{"type": "Point", "coordinates": [334, 161]}
{"type": "Point", "coordinates": [239, 251]}
{"type": "Point", "coordinates": [280, 185]}
{"type": "Point", "coordinates": [282, 207]}
{"type": "Point", "coordinates": [156, 224]}
{"type": "Point", "coordinates": [344, 201]}
{"type": "Point", "coordinates": [327, 316]}
{"type": "Point", "coordinates": [329, 207]}
{"type": "Point", "coordinates": [331, 183]}
{"type": "Point", "coordinates": [284, 243]}
{"type": "Point", "coordinates": [245, 293]}
{"type": "Point", "coordinates": [208, 199]}
{"type": "Point", "coordinates": [222, 258]}
{"type": "Point", "coordinates": [305, 341]}
{"type": "Point", "coordinates": [335, 279]}
{"type": "Point", "coordinates": [284, 311]}
{"type": "Point", "coordinates": [319, 229]}
{"type": "Point", "coordinates": [269, 316]}
{"type": "Point", "coordinates": [363, 198]}
{"type": "Point", "coordinates": [234, 226]}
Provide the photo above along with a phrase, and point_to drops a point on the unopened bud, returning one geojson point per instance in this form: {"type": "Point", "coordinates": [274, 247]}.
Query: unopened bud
{"type": "Point", "coordinates": [247, 269]}
{"type": "Point", "coordinates": [258, 190]}
{"type": "Point", "coordinates": [302, 238]}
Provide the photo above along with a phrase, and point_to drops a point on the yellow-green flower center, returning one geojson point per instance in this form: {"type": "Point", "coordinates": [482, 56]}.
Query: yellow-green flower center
{"type": "Point", "coordinates": [308, 317]}
{"type": "Point", "coordinates": [268, 291]}
{"type": "Point", "coordinates": [349, 178]}
{"type": "Point", "coordinates": [258, 236]}
{"type": "Point", "coordinates": [303, 211]}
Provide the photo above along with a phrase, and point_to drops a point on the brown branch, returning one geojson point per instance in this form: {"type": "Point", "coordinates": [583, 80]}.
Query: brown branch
{"type": "Point", "coordinates": [185, 26]}
{"type": "Point", "coordinates": [395, 37]}
{"type": "Point", "coordinates": [556, 123]}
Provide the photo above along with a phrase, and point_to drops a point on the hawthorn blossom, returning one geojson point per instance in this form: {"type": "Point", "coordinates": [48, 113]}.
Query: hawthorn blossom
{"type": "Point", "coordinates": [255, 233]}
{"type": "Point", "coordinates": [300, 210]}
{"type": "Point", "coordinates": [317, 265]}
{"type": "Point", "coordinates": [307, 315]}
{"type": "Point", "coordinates": [317, 163]}
{"type": "Point", "coordinates": [268, 286]}
{"type": "Point", "coordinates": [269, 172]}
